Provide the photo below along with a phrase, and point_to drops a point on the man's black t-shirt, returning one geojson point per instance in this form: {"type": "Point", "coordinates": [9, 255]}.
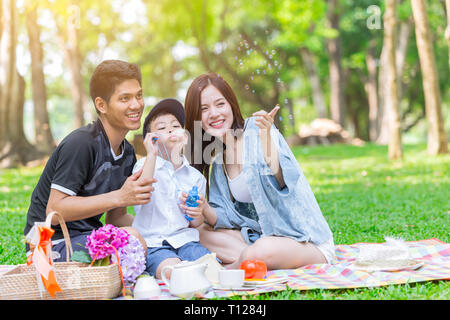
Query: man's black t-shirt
{"type": "Point", "coordinates": [84, 165]}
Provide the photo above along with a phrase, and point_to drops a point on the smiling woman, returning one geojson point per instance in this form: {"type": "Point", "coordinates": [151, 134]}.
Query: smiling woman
{"type": "Point", "coordinates": [260, 205]}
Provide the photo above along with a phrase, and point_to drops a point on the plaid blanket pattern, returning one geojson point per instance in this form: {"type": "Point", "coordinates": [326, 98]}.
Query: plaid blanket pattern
{"type": "Point", "coordinates": [434, 253]}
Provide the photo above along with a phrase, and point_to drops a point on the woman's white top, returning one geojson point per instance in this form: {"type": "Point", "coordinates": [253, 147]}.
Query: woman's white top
{"type": "Point", "coordinates": [239, 188]}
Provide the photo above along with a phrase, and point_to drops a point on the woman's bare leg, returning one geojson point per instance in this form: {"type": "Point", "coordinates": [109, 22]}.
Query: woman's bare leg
{"type": "Point", "coordinates": [281, 253]}
{"type": "Point", "coordinates": [226, 243]}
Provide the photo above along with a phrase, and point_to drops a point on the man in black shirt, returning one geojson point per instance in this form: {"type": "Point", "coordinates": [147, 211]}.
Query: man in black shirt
{"type": "Point", "coordinates": [89, 173]}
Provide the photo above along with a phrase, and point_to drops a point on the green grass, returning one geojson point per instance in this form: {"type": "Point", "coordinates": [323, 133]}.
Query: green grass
{"type": "Point", "coordinates": [363, 196]}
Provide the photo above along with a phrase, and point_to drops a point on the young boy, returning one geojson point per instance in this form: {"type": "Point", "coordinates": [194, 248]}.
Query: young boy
{"type": "Point", "coordinates": [170, 236]}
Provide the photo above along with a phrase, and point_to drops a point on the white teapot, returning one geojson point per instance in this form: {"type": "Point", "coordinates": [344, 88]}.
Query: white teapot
{"type": "Point", "coordinates": [187, 279]}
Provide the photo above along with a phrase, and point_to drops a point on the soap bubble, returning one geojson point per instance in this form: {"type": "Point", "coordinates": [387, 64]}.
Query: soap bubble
{"type": "Point", "coordinates": [247, 87]}
{"type": "Point", "coordinates": [286, 100]}
{"type": "Point", "coordinates": [257, 71]}
{"type": "Point", "coordinates": [273, 51]}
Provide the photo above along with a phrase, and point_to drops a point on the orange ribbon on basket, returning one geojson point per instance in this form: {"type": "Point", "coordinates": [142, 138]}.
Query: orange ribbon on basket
{"type": "Point", "coordinates": [41, 258]}
{"type": "Point", "coordinates": [118, 263]}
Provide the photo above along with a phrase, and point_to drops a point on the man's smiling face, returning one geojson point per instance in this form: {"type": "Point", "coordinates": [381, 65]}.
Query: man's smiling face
{"type": "Point", "coordinates": [125, 107]}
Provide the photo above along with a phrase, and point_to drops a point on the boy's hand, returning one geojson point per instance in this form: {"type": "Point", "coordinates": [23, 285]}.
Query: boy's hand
{"type": "Point", "coordinates": [193, 212]}
{"type": "Point", "coordinates": [150, 144]}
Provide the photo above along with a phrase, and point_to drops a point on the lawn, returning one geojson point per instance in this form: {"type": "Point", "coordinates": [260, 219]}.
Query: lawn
{"type": "Point", "coordinates": [363, 196]}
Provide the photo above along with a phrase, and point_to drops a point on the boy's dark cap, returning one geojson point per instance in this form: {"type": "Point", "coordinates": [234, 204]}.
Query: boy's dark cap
{"type": "Point", "coordinates": [169, 105]}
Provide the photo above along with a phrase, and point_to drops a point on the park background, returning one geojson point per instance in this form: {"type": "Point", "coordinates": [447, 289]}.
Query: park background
{"type": "Point", "coordinates": [379, 70]}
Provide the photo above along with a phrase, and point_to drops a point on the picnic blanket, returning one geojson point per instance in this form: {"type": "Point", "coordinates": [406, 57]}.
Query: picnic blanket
{"type": "Point", "coordinates": [339, 274]}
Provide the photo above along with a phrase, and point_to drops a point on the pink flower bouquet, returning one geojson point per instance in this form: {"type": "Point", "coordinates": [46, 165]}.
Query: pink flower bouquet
{"type": "Point", "coordinates": [103, 243]}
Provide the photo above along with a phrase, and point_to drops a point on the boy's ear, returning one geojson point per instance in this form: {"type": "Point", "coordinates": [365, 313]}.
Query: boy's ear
{"type": "Point", "coordinates": [100, 105]}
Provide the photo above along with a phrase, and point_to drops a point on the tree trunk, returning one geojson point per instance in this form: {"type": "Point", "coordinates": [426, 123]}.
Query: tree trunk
{"type": "Point", "coordinates": [437, 141]}
{"type": "Point", "coordinates": [400, 52]}
{"type": "Point", "coordinates": [400, 56]}
{"type": "Point", "coordinates": [68, 40]}
{"type": "Point", "coordinates": [291, 116]}
{"type": "Point", "coordinates": [44, 137]}
{"type": "Point", "coordinates": [314, 80]}
{"type": "Point", "coordinates": [447, 30]}
{"type": "Point", "coordinates": [337, 109]}
{"type": "Point", "coordinates": [14, 147]}
{"type": "Point", "coordinates": [382, 115]}
{"type": "Point", "coordinates": [391, 102]}
{"type": "Point", "coordinates": [370, 85]}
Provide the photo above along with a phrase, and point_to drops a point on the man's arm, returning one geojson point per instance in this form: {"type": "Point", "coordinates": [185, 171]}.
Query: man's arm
{"type": "Point", "coordinates": [75, 208]}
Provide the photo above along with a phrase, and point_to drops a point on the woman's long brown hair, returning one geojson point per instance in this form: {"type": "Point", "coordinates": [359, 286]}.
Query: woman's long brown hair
{"type": "Point", "coordinates": [193, 109]}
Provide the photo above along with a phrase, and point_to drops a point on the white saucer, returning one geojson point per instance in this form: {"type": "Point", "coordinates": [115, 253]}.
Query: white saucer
{"type": "Point", "coordinates": [395, 265]}
{"type": "Point", "coordinates": [219, 287]}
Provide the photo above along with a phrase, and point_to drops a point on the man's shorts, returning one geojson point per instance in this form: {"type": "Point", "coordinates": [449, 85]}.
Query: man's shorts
{"type": "Point", "coordinates": [188, 252]}
{"type": "Point", "coordinates": [78, 244]}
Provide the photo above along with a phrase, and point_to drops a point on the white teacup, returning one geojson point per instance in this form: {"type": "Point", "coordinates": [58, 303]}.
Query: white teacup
{"type": "Point", "coordinates": [146, 287]}
{"type": "Point", "coordinates": [233, 278]}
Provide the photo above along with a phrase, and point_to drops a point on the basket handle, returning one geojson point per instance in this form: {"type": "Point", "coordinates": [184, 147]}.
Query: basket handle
{"type": "Point", "coordinates": [62, 223]}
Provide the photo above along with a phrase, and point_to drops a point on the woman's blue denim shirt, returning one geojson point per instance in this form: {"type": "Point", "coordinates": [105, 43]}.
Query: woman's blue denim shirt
{"type": "Point", "coordinates": [291, 212]}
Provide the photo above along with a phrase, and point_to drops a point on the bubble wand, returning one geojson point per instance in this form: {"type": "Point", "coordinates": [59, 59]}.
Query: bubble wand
{"type": "Point", "coordinates": [193, 193]}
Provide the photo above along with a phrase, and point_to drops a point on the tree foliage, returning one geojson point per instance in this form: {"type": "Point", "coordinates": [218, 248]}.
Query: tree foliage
{"type": "Point", "coordinates": [269, 51]}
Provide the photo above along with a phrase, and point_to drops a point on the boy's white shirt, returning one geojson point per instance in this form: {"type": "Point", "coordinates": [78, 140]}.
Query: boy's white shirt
{"type": "Point", "coordinates": [162, 219]}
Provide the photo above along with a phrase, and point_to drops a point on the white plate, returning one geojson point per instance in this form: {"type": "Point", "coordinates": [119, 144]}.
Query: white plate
{"type": "Point", "coordinates": [265, 282]}
{"type": "Point", "coordinates": [386, 265]}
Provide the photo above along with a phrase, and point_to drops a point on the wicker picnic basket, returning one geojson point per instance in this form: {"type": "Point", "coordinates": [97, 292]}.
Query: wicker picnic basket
{"type": "Point", "coordinates": [77, 280]}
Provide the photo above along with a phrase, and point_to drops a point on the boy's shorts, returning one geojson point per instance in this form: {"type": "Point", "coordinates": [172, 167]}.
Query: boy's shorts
{"type": "Point", "coordinates": [188, 252]}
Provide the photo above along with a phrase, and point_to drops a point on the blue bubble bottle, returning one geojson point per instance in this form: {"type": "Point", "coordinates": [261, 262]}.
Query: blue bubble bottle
{"type": "Point", "coordinates": [191, 200]}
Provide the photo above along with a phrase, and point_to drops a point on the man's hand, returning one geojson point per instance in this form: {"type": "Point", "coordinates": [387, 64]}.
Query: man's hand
{"type": "Point", "coordinates": [136, 191]}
